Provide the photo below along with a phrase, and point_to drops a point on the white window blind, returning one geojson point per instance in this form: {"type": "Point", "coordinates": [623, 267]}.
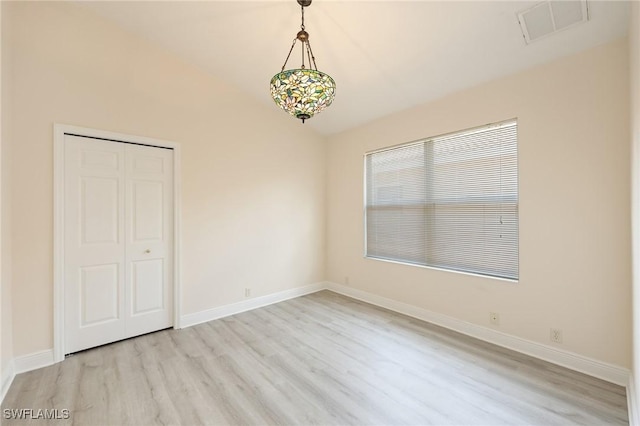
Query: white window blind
{"type": "Point", "coordinates": [449, 202]}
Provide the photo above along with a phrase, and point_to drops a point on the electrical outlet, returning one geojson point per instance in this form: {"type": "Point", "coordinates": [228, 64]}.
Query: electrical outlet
{"type": "Point", "coordinates": [494, 318]}
{"type": "Point", "coordinates": [247, 292]}
{"type": "Point", "coordinates": [346, 280]}
{"type": "Point", "coordinates": [555, 335]}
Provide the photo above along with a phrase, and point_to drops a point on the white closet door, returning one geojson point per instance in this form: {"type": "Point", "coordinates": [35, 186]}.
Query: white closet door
{"type": "Point", "coordinates": [149, 254]}
{"type": "Point", "coordinates": [94, 242]}
{"type": "Point", "coordinates": [118, 241]}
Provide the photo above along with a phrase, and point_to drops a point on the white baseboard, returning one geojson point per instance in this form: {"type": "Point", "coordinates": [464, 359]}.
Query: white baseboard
{"type": "Point", "coordinates": [592, 367]}
{"type": "Point", "coordinates": [246, 305]}
{"type": "Point", "coordinates": [45, 358]}
{"type": "Point", "coordinates": [631, 403]}
{"type": "Point", "coordinates": [22, 364]}
{"type": "Point", "coordinates": [602, 370]}
{"type": "Point", "coordinates": [8, 374]}
{"type": "Point", "coordinates": [33, 361]}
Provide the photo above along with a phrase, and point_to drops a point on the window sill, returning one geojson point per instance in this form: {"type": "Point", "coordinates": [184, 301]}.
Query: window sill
{"type": "Point", "coordinates": [491, 277]}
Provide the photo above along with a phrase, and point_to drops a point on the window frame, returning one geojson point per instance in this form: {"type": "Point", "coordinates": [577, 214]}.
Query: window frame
{"type": "Point", "coordinates": [466, 131]}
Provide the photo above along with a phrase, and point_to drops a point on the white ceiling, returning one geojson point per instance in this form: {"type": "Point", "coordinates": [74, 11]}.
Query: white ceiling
{"type": "Point", "coordinates": [385, 56]}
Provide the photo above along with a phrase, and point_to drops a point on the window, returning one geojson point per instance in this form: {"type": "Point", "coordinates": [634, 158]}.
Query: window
{"type": "Point", "coordinates": [449, 202]}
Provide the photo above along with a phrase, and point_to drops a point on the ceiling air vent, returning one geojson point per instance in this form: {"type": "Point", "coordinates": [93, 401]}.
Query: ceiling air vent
{"type": "Point", "coordinates": [550, 17]}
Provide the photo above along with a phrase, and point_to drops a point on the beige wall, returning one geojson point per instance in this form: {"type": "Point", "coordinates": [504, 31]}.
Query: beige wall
{"type": "Point", "coordinates": [6, 339]}
{"type": "Point", "coordinates": [574, 183]}
{"type": "Point", "coordinates": [253, 178]}
{"type": "Point", "coordinates": [634, 73]}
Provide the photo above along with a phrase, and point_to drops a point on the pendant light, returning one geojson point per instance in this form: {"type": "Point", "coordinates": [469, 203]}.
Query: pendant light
{"type": "Point", "coordinates": [303, 92]}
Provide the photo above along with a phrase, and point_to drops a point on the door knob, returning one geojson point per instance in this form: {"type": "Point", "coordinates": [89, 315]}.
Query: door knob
{"type": "Point", "coordinates": [147, 251]}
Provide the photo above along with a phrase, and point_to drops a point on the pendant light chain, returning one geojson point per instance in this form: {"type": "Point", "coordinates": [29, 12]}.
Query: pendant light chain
{"type": "Point", "coordinates": [303, 42]}
{"type": "Point", "coordinates": [313, 58]}
{"type": "Point", "coordinates": [290, 50]}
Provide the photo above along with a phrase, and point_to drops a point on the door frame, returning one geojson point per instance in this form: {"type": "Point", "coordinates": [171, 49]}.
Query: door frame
{"type": "Point", "coordinates": [59, 132]}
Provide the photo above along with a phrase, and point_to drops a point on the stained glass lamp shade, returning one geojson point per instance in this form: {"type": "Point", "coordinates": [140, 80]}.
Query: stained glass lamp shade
{"type": "Point", "coordinates": [303, 92]}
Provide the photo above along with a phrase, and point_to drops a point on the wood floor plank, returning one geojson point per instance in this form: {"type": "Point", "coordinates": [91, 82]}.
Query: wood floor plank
{"type": "Point", "coordinates": [321, 359]}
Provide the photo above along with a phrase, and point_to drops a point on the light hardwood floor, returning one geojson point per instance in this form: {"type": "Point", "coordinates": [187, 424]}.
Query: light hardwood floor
{"type": "Point", "coordinates": [319, 359]}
